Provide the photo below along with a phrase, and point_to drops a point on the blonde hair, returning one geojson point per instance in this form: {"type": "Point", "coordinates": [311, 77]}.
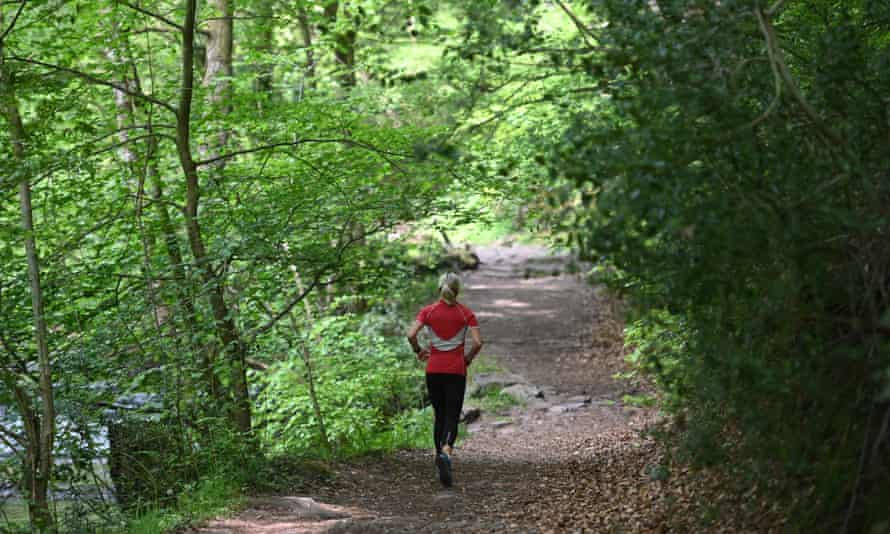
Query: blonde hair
{"type": "Point", "coordinates": [449, 287]}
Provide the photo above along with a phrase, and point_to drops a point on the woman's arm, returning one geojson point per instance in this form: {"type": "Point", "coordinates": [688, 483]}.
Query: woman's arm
{"type": "Point", "coordinates": [422, 354]}
{"type": "Point", "coordinates": [477, 344]}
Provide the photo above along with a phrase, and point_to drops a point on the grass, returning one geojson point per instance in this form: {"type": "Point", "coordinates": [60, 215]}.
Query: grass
{"type": "Point", "coordinates": [13, 515]}
{"type": "Point", "coordinates": [154, 522]}
{"type": "Point", "coordinates": [485, 364]}
{"type": "Point", "coordinates": [496, 401]}
{"type": "Point", "coordinates": [481, 233]}
{"type": "Point", "coordinates": [410, 430]}
{"type": "Point", "coordinates": [211, 497]}
{"type": "Point", "coordinates": [639, 400]}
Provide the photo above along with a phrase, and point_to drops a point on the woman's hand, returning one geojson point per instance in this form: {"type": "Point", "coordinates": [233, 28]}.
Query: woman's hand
{"type": "Point", "coordinates": [423, 355]}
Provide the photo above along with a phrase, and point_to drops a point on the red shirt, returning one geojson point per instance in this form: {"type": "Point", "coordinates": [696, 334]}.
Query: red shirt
{"type": "Point", "coordinates": [448, 327]}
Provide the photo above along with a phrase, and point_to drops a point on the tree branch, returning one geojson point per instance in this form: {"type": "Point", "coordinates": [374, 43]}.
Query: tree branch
{"type": "Point", "coordinates": [585, 32]}
{"type": "Point", "coordinates": [778, 60]}
{"type": "Point", "coordinates": [152, 29]}
{"type": "Point", "coordinates": [94, 80]}
{"type": "Point", "coordinates": [287, 308]}
{"type": "Point", "coordinates": [855, 493]}
{"type": "Point", "coordinates": [775, 8]}
{"type": "Point", "coordinates": [12, 352]}
{"type": "Point", "coordinates": [341, 247]}
{"type": "Point", "coordinates": [498, 114]}
{"type": "Point", "coordinates": [65, 248]}
{"type": "Point", "coordinates": [21, 399]}
{"type": "Point", "coordinates": [346, 141]}
{"type": "Point", "coordinates": [65, 155]}
{"type": "Point", "coordinates": [9, 434]}
{"type": "Point", "coordinates": [777, 97]}
{"type": "Point", "coordinates": [6, 435]}
{"type": "Point", "coordinates": [882, 436]}
{"type": "Point", "coordinates": [151, 14]}
{"type": "Point", "coordinates": [15, 19]}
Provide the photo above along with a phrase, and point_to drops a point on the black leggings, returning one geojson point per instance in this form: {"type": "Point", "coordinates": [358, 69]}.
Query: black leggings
{"type": "Point", "coordinates": [447, 395]}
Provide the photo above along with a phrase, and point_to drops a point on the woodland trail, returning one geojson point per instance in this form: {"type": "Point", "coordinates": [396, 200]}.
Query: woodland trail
{"type": "Point", "coordinates": [573, 461]}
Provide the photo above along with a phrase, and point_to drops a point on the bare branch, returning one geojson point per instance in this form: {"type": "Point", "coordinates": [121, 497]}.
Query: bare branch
{"type": "Point", "coordinates": [585, 32]}
{"type": "Point", "coordinates": [777, 97]}
{"type": "Point", "coordinates": [151, 14]}
{"type": "Point", "coordinates": [855, 493]}
{"type": "Point", "coordinates": [12, 352]}
{"type": "Point", "coordinates": [15, 19]}
{"type": "Point", "coordinates": [95, 80]}
{"type": "Point", "coordinates": [882, 436]}
{"type": "Point", "coordinates": [152, 29]}
{"type": "Point", "coordinates": [775, 8]}
{"type": "Point", "coordinates": [6, 435]}
{"type": "Point", "coordinates": [287, 308]}
{"type": "Point", "coordinates": [345, 141]}
{"type": "Point", "coordinates": [778, 60]}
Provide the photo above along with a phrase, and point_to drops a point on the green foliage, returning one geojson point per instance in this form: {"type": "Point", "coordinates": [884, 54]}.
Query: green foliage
{"type": "Point", "coordinates": [363, 384]}
{"type": "Point", "coordinates": [659, 343]}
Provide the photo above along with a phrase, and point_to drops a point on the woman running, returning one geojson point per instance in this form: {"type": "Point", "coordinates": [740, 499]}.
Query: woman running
{"type": "Point", "coordinates": [447, 322]}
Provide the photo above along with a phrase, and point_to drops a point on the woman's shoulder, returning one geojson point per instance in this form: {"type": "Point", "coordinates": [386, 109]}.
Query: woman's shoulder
{"type": "Point", "coordinates": [464, 307]}
{"type": "Point", "coordinates": [427, 309]}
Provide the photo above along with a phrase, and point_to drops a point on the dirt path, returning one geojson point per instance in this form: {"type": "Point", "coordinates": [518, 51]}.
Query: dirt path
{"type": "Point", "coordinates": [571, 462]}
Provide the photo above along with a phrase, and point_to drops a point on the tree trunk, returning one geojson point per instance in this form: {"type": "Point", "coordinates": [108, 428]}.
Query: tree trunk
{"type": "Point", "coordinates": [41, 422]}
{"type": "Point", "coordinates": [264, 77]}
{"type": "Point", "coordinates": [310, 378]}
{"type": "Point", "coordinates": [187, 306]}
{"type": "Point", "coordinates": [218, 73]}
{"type": "Point", "coordinates": [344, 43]}
{"type": "Point", "coordinates": [316, 406]}
{"type": "Point", "coordinates": [226, 329]}
{"type": "Point", "coordinates": [306, 31]}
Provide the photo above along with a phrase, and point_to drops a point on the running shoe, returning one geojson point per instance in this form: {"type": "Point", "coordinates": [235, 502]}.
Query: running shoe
{"type": "Point", "coordinates": [443, 462]}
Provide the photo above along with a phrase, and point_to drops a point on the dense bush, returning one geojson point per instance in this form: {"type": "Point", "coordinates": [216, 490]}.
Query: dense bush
{"type": "Point", "coordinates": [738, 180]}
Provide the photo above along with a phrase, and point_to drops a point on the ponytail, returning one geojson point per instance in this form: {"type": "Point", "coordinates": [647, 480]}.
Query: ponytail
{"type": "Point", "coordinates": [449, 287]}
